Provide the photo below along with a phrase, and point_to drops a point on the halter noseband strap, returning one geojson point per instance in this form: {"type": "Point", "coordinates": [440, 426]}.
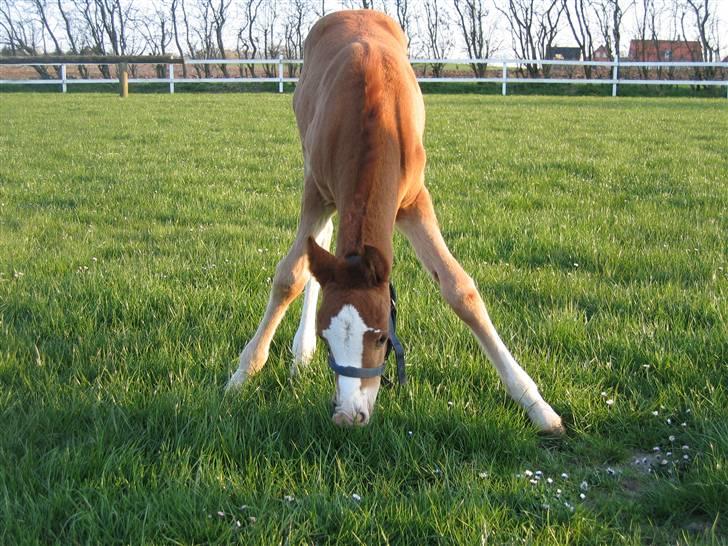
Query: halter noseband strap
{"type": "Point", "coordinates": [393, 344]}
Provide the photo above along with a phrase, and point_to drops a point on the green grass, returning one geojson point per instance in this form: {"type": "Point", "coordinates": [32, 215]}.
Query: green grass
{"type": "Point", "coordinates": [137, 241]}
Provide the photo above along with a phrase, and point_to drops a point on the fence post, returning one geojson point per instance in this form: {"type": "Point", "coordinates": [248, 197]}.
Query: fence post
{"type": "Point", "coordinates": [64, 87]}
{"type": "Point", "coordinates": [170, 72]}
{"type": "Point", "coordinates": [505, 79]}
{"type": "Point", "coordinates": [615, 75]}
{"type": "Point", "coordinates": [123, 80]}
{"type": "Point", "coordinates": [280, 73]}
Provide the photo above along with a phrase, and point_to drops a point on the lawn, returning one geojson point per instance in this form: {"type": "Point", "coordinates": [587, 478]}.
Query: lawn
{"type": "Point", "coordinates": [137, 242]}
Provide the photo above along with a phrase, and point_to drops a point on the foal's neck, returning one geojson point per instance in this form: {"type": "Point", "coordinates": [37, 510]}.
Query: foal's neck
{"type": "Point", "coordinates": [368, 220]}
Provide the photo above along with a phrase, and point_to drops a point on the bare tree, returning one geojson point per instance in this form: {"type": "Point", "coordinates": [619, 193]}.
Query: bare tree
{"type": "Point", "coordinates": [23, 34]}
{"type": "Point", "coordinates": [577, 15]}
{"type": "Point", "coordinates": [404, 18]}
{"type": "Point", "coordinates": [271, 45]}
{"type": "Point", "coordinates": [609, 15]}
{"type": "Point", "coordinates": [534, 27]}
{"type": "Point", "coordinates": [173, 7]}
{"type": "Point", "coordinates": [478, 39]}
{"type": "Point", "coordinates": [156, 30]}
{"type": "Point", "coordinates": [319, 9]}
{"type": "Point", "coordinates": [437, 38]}
{"type": "Point", "coordinates": [220, 11]}
{"type": "Point", "coordinates": [706, 23]}
{"type": "Point", "coordinates": [647, 30]}
{"type": "Point", "coordinates": [247, 40]}
{"type": "Point", "coordinates": [294, 31]}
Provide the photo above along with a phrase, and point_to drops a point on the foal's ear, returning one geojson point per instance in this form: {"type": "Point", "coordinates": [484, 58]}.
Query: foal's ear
{"type": "Point", "coordinates": [377, 264]}
{"type": "Point", "coordinates": [321, 262]}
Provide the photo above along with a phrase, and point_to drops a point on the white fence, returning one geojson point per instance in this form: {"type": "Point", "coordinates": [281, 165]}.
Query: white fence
{"type": "Point", "coordinates": [504, 79]}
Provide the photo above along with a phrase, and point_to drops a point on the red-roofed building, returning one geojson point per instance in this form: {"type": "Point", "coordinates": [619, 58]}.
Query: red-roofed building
{"type": "Point", "coordinates": [664, 50]}
{"type": "Point", "coordinates": [601, 54]}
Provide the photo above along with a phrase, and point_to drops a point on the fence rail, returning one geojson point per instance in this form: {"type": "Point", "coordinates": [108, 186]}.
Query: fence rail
{"type": "Point", "coordinates": [615, 79]}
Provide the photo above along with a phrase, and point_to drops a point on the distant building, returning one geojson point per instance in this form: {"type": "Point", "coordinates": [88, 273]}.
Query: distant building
{"type": "Point", "coordinates": [601, 54]}
{"type": "Point", "coordinates": [664, 50]}
{"type": "Point", "coordinates": [563, 54]}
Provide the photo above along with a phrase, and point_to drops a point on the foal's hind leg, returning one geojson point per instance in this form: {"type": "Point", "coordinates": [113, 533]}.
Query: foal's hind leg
{"type": "Point", "coordinates": [419, 225]}
{"type": "Point", "coordinates": [304, 342]}
{"type": "Point", "coordinates": [291, 276]}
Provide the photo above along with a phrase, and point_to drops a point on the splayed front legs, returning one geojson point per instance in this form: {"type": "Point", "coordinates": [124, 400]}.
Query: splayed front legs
{"type": "Point", "coordinates": [419, 224]}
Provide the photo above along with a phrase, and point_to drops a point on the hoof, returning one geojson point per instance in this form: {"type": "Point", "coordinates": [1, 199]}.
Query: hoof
{"type": "Point", "coordinates": [546, 420]}
{"type": "Point", "coordinates": [236, 381]}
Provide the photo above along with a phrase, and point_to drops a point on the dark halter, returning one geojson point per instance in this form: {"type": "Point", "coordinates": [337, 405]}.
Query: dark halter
{"type": "Point", "coordinates": [393, 344]}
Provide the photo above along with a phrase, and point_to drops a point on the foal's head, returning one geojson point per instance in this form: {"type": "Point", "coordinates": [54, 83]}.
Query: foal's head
{"type": "Point", "coordinates": [353, 320]}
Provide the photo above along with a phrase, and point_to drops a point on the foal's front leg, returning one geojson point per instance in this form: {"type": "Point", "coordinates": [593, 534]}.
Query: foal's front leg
{"type": "Point", "coordinates": [419, 224]}
{"type": "Point", "coordinates": [291, 276]}
{"type": "Point", "coordinates": [304, 342]}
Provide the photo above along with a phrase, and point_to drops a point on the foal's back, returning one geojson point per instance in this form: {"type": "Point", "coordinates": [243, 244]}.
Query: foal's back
{"type": "Point", "coordinates": [360, 111]}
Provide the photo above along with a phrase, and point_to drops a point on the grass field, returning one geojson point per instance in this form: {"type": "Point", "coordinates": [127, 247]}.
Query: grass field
{"type": "Point", "coordinates": [137, 242]}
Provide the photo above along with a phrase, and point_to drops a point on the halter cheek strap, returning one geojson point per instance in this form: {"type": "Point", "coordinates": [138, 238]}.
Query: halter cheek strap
{"type": "Point", "coordinates": [393, 344]}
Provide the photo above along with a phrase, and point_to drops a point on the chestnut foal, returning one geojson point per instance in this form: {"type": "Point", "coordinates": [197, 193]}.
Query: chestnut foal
{"type": "Point", "coordinates": [361, 117]}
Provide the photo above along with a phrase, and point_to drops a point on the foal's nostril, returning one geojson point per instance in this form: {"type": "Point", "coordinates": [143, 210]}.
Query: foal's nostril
{"type": "Point", "coordinates": [361, 417]}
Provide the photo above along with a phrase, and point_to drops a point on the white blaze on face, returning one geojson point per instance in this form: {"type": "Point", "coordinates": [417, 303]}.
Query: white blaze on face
{"type": "Point", "coordinates": [345, 337]}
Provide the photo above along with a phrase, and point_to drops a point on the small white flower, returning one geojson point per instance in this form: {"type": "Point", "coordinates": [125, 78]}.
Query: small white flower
{"type": "Point", "coordinates": [584, 486]}
{"type": "Point", "coordinates": [610, 471]}
{"type": "Point", "coordinates": [558, 491]}
{"type": "Point", "coordinates": [669, 421]}
{"type": "Point", "coordinates": [683, 424]}
{"type": "Point", "coordinates": [289, 498]}
{"type": "Point", "coordinates": [655, 413]}
{"type": "Point", "coordinates": [610, 402]}
{"type": "Point", "coordinates": [685, 447]}
{"type": "Point", "coordinates": [356, 497]}
{"type": "Point", "coordinates": [582, 496]}
{"type": "Point", "coordinates": [671, 438]}
{"type": "Point", "coordinates": [668, 454]}
{"type": "Point", "coordinates": [686, 457]}
{"type": "Point", "coordinates": [483, 475]}
{"type": "Point", "coordinates": [528, 473]}
{"type": "Point", "coordinates": [221, 514]}
{"type": "Point", "coordinates": [539, 473]}
{"type": "Point", "coordinates": [564, 475]}
{"type": "Point", "coordinates": [252, 519]}
{"type": "Point", "coordinates": [533, 482]}
{"type": "Point", "coordinates": [604, 394]}
{"type": "Point", "coordinates": [549, 481]}
{"type": "Point", "coordinates": [656, 449]}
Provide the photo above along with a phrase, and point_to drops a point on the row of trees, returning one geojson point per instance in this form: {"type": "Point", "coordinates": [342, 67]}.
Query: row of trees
{"type": "Point", "coordinates": [435, 29]}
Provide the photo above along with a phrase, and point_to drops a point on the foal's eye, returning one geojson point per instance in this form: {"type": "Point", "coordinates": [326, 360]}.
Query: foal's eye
{"type": "Point", "coordinates": [382, 340]}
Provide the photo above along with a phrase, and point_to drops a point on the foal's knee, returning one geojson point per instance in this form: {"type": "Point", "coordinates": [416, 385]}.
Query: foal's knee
{"type": "Point", "coordinates": [461, 294]}
{"type": "Point", "coordinates": [288, 282]}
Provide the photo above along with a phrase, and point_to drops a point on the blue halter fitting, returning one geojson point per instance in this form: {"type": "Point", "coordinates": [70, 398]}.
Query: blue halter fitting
{"type": "Point", "coordinates": [393, 344]}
